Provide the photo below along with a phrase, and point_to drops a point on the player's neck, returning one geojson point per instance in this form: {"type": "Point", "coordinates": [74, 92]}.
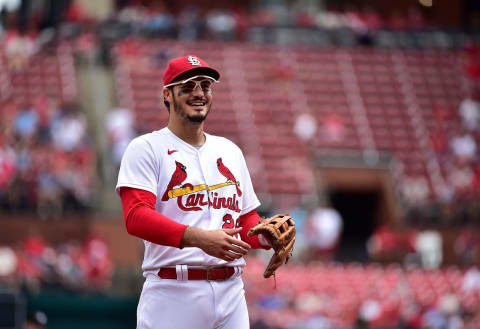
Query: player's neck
{"type": "Point", "coordinates": [189, 133]}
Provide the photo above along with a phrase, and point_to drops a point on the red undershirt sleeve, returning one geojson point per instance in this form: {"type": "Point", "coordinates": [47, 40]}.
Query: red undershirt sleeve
{"type": "Point", "coordinates": [247, 221]}
{"type": "Point", "coordinates": [141, 219]}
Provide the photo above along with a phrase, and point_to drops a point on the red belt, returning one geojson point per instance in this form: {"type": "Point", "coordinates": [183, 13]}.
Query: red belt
{"type": "Point", "coordinates": [214, 273]}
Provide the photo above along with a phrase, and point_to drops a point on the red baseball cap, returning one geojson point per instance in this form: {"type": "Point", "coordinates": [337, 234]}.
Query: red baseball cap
{"type": "Point", "coordinates": [192, 64]}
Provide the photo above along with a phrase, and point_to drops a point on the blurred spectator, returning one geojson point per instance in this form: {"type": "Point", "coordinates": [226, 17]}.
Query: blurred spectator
{"type": "Point", "coordinates": [304, 19]}
{"type": "Point", "coordinates": [332, 129]}
{"type": "Point", "coordinates": [134, 14]}
{"type": "Point", "coordinates": [36, 320]}
{"type": "Point", "coordinates": [190, 25]}
{"type": "Point", "coordinates": [429, 246]}
{"type": "Point", "coordinates": [69, 128]}
{"type": "Point", "coordinates": [415, 190]}
{"type": "Point", "coordinates": [8, 168]}
{"type": "Point", "coordinates": [19, 48]}
{"type": "Point", "coordinates": [273, 301]}
{"type": "Point", "coordinates": [26, 122]}
{"type": "Point", "coordinates": [99, 268]}
{"type": "Point", "coordinates": [262, 17]}
{"type": "Point", "coordinates": [324, 227]}
{"type": "Point", "coordinates": [72, 265]}
{"type": "Point", "coordinates": [85, 47]}
{"type": "Point", "coordinates": [159, 22]}
{"type": "Point", "coordinates": [439, 140]}
{"type": "Point", "coordinates": [305, 127]}
{"type": "Point", "coordinates": [45, 109]}
{"type": "Point", "coordinates": [471, 281]}
{"type": "Point", "coordinates": [8, 266]}
{"type": "Point", "coordinates": [77, 181]}
{"type": "Point", "coordinates": [120, 125]}
{"type": "Point", "coordinates": [75, 13]}
{"type": "Point", "coordinates": [311, 302]}
{"type": "Point", "coordinates": [221, 25]}
{"type": "Point", "coordinates": [445, 315]}
{"type": "Point", "coordinates": [411, 316]}
{"type": "Point", "coordinates": [10, 5]}
{"type": "Point", "coordinates": [461, 178]}
{"type": "Point", "coordinates": [30, 256]}
{"type": "Point", "coordinates": [330, 20]}
{"type": "Point", "coordinates": [467, 246]}
{"type": "Point", "coordinates": [470, 113]}
{"type": "Point", "coordinates": [358, 25]}
{"type": "Point", "coordinates": [464, 147]}
{"type": "Point", "coordinates": [315, 321]}
{"type": "Point", "coordinates": [49, 202]}
{"type": "Point", "coordinates": [434, 319]}
{"type": "Point", "coordinates": [384, 245]}
{"type": "Point", "coordinates": [369, 312]}
{"type": "Point", "coordinates": [242, 18]}
{"type": "Point", "coordinates": [300, 213]}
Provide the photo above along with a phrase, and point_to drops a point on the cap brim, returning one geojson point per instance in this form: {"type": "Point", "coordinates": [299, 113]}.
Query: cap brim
{"type": "Point", "coordinates": [198, 71]}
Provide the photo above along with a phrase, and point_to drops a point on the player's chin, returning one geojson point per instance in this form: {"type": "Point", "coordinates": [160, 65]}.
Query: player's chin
{"type": "Point", "coordinates": [197, 118]}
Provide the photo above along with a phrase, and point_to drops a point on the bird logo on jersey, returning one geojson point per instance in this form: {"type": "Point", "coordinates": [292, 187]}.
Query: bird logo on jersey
{"type": "Point", "coordinates": [227, 174]}
{"type": "Point", "coordinates": [195, 198]}
{"type": "Point", "coordinates": [178, 176]}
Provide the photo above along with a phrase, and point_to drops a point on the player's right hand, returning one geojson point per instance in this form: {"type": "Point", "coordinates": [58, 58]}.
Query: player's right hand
{"type": "Point", "coordinates": [218, 243]}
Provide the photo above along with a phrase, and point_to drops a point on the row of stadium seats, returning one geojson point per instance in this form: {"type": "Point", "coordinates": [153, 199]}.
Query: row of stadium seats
{"type": "Point", "coordinates": [385, 100]}
{"type": "Point", "coordinates": [50, 73]}
{"type": "Point", "coordinates": [337, 291]}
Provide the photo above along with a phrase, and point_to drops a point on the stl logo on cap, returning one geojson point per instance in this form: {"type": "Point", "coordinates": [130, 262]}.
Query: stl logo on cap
{"type": "Point", "coordinates": [194, 60]}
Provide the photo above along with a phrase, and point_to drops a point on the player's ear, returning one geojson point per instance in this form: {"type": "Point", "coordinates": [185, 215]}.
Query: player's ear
{"type": "Point", "coordinates": [167, 94]}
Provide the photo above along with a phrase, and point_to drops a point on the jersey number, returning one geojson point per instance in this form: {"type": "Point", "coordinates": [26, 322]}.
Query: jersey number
{"type": "Point", "coordinates": [229, 222]}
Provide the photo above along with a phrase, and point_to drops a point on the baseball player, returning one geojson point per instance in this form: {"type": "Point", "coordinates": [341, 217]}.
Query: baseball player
{"type": "Point", "coordinates": [189, 196]}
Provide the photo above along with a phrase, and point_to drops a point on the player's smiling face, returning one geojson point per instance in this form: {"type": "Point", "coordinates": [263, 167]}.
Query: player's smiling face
{"type": "Point", "coordinates": [192, 100]}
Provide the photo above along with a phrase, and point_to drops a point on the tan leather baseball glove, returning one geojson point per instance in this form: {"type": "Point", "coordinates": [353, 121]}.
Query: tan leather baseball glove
{"type": "Point", "coordinates": [279, 231]}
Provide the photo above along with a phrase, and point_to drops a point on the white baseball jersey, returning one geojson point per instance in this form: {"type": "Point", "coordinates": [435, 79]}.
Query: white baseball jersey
{"type": "Point", "coordinates": [207, 187]}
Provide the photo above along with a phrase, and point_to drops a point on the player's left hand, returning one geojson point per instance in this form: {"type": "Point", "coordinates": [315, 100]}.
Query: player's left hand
{"type": "Point", "coordinates": [219, 243]}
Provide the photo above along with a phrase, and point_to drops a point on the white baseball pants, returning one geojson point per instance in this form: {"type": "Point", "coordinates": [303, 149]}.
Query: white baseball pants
{"type": "Point", "coordinates": [193, 304]}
